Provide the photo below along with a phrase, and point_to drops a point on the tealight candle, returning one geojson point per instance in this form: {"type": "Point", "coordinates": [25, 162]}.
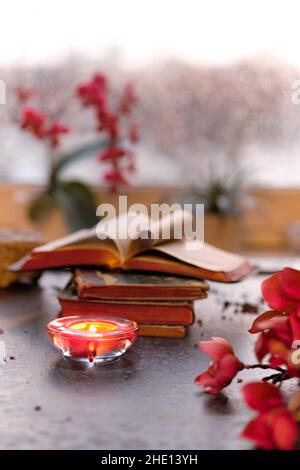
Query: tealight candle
{"type": "Point", "coordinates": [92, 339]}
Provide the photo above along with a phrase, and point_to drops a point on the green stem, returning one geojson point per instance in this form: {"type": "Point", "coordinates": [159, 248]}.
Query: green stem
{"type": "Point", "coordinates": [85, 151]}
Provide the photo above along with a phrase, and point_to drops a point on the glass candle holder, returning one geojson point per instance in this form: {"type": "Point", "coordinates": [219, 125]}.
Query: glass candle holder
{"type": "Point", "coordinates": [92, 339]}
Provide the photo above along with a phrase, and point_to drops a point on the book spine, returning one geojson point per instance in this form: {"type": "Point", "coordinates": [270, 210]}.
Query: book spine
{"type": "Point", "coordinates": [162, 331]}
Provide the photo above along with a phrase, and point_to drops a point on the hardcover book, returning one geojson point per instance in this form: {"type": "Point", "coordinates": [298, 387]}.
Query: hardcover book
{"type": "Point", "coordinates": [153, 253]}
{"type": "Point", "coordinates": [100, 284]}
{"type": "Point", "coordinates": [154, 312]}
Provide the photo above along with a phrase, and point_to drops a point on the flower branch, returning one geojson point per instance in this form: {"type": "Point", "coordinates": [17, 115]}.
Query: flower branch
{"type": "Point", "coordinates": [118, 133]}
{"type": "Point", "coordinates": [278, 332]}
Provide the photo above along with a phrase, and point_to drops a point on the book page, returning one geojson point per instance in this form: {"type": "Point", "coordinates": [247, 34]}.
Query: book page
{"type": "Point", "coordinates": [85, 237]}
{"type": "Point", "coordinates": [125, 231]}
{"type": "Point", "coordinates": [127, 234]}
{"type": "Point", "coordinates": [112, 233]}
{"type": "Point", "coordinates": [76, 238]}
{"type": "Point", "coordinates": [202, 256]}
{"type": "Point", "coordinates": [159, 231]}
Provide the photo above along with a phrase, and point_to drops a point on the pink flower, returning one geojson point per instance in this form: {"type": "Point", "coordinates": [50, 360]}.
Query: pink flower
{"type": "Point", "coordinates": [224, 367]}
{"type": "Point", "coordinates": [275, 426]}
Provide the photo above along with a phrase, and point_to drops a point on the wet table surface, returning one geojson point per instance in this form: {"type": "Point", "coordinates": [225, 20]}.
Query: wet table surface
{"type": "Point", "coordinates": [147, 400]}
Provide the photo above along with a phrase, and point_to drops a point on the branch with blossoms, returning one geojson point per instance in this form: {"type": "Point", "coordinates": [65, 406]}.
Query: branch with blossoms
{"type": "Point", "coordinates": [278, 330]}
{"type": "Point", "coordinates": [118, 133]}
{"type": "Point", "coordinates": [111, 123]}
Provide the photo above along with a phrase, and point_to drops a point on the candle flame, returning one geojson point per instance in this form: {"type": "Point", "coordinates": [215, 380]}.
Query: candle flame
{"type": "Point", "coordinates": [92, 328]}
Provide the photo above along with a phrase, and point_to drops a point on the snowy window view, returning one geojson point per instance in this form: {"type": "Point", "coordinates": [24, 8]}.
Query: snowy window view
{"type": "Point", "coordinates": [208, 97]}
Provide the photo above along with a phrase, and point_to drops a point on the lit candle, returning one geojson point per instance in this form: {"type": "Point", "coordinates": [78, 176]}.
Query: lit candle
{"type": "Point", "coordinates": [92, 339]}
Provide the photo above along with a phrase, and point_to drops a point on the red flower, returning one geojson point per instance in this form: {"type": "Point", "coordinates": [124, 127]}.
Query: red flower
{"type": "Point", "coordinates": [115, 178]}
{"type": "Point", "coordinates": [128, 99]}
{"type": "Point", "coordinates": [110, 123]}
{"type": "Point", "coordinates": [33, 121]}
{"type": "Point", "coordinates": [285, 327]}
{"type": "Point", "coordinates": [268, 345]}
{"type": "Point", "coordinates": [276, 323]}
{"type": "Point", "coordinates": [275, 426]}
{"type": "Point", "coordinates": [275, 340]}
{"type": "Point", "coordinates": [264, 320]}
{"type": "Point", "coordinates": [294, 321]}
{"type": "Point", "coordinates": [55, 131]}
{"type": "Point", "coordinates": [93, 93]}
{"type": "Point", "coordinates": [114, 153]}
{"type": "Point", "coordinates": [282, 290]}
{"type": "Point", "coordinates": [224, 367]}
{"type": "Point", "coordinates": [24, 94]}
{"type": "Point", "coordinates": [278, 332]}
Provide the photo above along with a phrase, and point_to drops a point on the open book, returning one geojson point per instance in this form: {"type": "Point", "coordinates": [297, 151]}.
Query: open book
{"type": "Point", "coordinates": [146, 253]}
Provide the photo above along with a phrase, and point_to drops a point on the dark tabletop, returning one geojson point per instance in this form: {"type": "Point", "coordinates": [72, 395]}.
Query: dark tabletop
{"type": "Point", "coordinates": [147, 400]}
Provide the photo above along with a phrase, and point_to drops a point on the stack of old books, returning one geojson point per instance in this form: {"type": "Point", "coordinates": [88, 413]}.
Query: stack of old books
{"type": "Point", "coordinates": [161, 304]}
{"type": "Point", "coordinates": [146, 278]}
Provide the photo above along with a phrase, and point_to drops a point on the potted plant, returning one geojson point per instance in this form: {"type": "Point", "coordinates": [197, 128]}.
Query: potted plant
{"type": "Point", "coordinates": [224, 196]}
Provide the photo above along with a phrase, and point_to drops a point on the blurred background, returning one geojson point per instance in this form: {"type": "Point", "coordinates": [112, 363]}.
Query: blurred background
{"type": "Point", "coordinates": [216, 113]}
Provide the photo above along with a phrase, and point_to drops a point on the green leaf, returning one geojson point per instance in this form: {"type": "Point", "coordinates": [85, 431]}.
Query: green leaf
{"type": "Point", "coordinates": [40, 207]}
{"type": "Point", "coordinates": [77, 202]}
